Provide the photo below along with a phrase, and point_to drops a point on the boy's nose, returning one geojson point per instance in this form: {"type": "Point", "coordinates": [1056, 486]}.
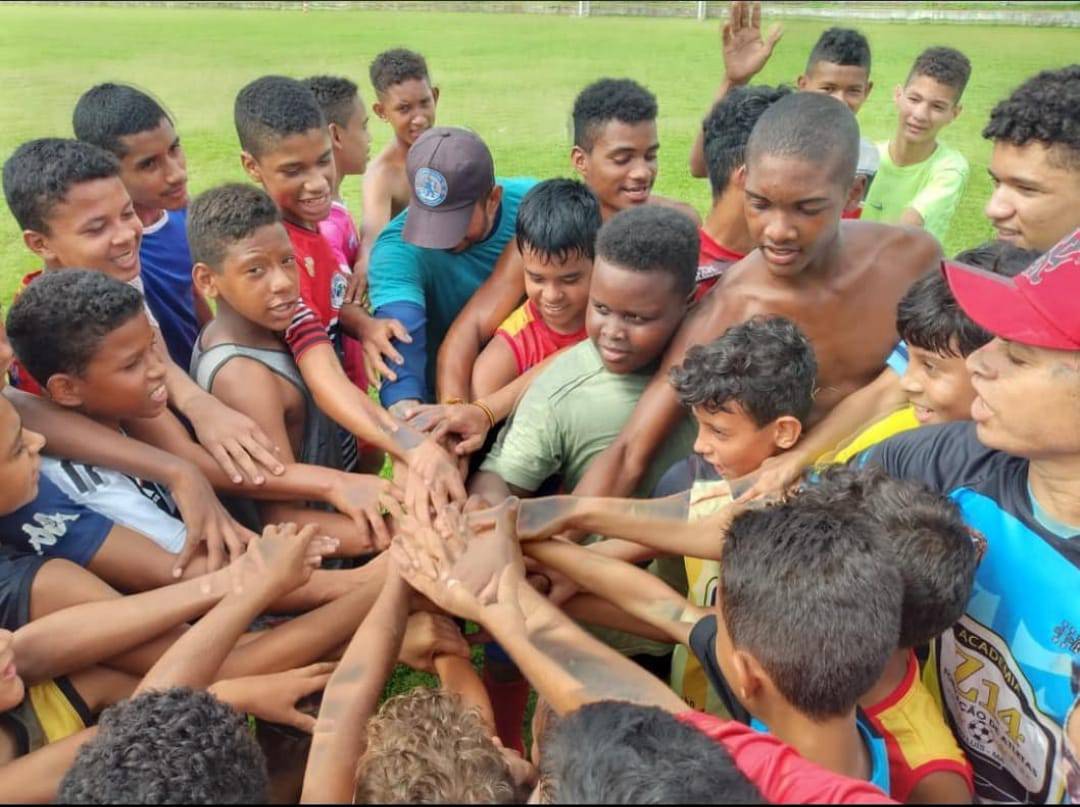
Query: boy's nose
{"type": "Point", "coordinates": [997, 206]}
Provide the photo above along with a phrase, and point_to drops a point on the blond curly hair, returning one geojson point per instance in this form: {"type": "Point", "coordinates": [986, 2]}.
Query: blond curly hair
{"type": "Point", "coordinates": [425, 747]}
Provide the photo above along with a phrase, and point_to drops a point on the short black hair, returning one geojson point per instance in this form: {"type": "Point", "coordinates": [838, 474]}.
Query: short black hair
{"type": "Point", "coordinates": [336, 96]}
{"type": "Point", "coordinates": [811, 594]}
{"type": "Point", "coordinates": [811, 126]}
{"type": "Point", "coordinates": [221, 216]}
{"type": "Point", "coordinates": [608, 99]}
{"type": "Point", "coordinates": [272, 108]}
{"type": "Point", "coordinates": [946, 66]}
{"type": "Point", "coordinates": [843, 46]}
{"type": "Point", "coordinates": [728, 126]}
{"type": "Point", "coordinates": [766, 365]}
{"type": "Point", "coordinates": [39, 174]}
{"type": "Point", "coordinates": [107, 112]}
{"type": "Point", "coordinates": [558, 218]}
{"type": "Point", "coordinates": [651, 238]}
{"type": "Point", "coordinates": [612, 752]}
{"type": "Point", "coordinates": [174, 746]}
{"type": "Point", "coordinates": [925, 533]}
{"type": "Point", "coordinates": [928, 315]}
{"type": "Point", "coordinates": [395, 66]}
{"type": "Point", "coordinates": [57, 324]}
{"type": "Point", "coordinates": [1045, 108]}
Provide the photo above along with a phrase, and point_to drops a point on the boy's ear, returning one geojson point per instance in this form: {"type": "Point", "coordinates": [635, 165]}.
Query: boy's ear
{"type": "Point", "coordinates": [749, 677]}
{"type": "Point", "coordinates": [897, 92]}
{"type": "Point", "coordinates": [38, 243]}
{"type": "Point", "coordinates": [494, 198]}
{"type": "Point", "coordinates": [435, 95]}
{"type": "Point", "coordinates": [64, 389]}
{"type": "Point", "coordinates": [956, 110]}
{"type": "Point", "coordinates": [786, 431]}
{"type": "Point", "coordinates": [855, 193]}
{"type": "Point", "coordinates": [869, 88]}
{"type": "Point", "coordinates": [379, 110]}
{"type": "Point", "coordinates": [580, 160]}
{"type": "Point", "coordinates": [739, 177]}
{"type": "Point", "coordinates": [335, 135]}
{"type": "Point", "coordinates": [205, 280]}
{"type": "Point", "coordinates": [251, 167]}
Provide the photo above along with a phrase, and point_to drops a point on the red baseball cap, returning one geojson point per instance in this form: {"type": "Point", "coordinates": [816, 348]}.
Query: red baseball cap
{"type": "Point", "coordinates": [449, 171]}
{"type": "Point", "coordinates": [1039, 307]}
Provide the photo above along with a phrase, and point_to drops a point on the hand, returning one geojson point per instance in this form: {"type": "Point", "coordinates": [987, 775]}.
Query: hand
{"type": "Point", "coordinates": [281, 559]}
{"type": "Point", "coordinates": [560, 587]}
{"type": "Point", "coordinates": [546, 516]}
{"type": "Point", "coordinates": [428, 635]}
{"type": "Point", "coordinates": [745, 52]}
{"type": "Point", "coordinates": [434, 480]}
{"type": "Point", "coordinates": [775, 479]}
{"type": "Point", "coordinates": [375, 339]}
{"type": "Point", "coordinates": [273, 697]}
{"type": "Point", "coordinates": [233, 439]}
{"type": "Point", "coordinates": [206, 520]}
{"type": "Point", "coordinates": [356, 288]}
{"type": "Point", "coordinates": [364, 498]}
{"type": "Point", "coordinates": [468, 574]}
{"type": "Point", "coordinates": [467, 422]}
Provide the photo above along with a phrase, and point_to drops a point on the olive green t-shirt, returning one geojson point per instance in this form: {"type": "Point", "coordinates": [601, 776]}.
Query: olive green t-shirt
{"type": "Point", "coordinates": [931, 188]}
{"type": "Point", "coordinates": [571, 412]}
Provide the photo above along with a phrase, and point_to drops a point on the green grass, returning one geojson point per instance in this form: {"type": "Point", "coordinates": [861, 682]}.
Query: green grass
{"type": "Point", "coordinates": [512, 78]}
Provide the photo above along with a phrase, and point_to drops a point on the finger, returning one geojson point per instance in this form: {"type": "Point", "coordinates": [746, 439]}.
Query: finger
{"type": "Point", "coordinates": [755, 15]}
{"type": "Point", "coordinates": [233, 543]}
{"type": "Point", "coordinates": [315, 682]}
{"type": "Point", "coordinates": [381, 367]}
{"type": "Point", "coordinates": [383, 345]}
{"type": "Point", "coordinates": [392, 506]}
{"type": "Point", "coordinates": [244, 460]}
{"type": "Point", "coordinates": [450, 646]}
{"type": "Point", "coordinates": [402, 556]}
{"type": "Point", "coordinates": [472, 443]}
{"type": "Point", "coordinates": [401, 333]}
{"type": "Point", "coordinates": [307, 534]}
{"type": "Point", "coordinates": [456, 488]}
{"type": "Point", "coordinates": [185, 556]}
{"type": "Point", "coordinates": [775, 32]}
{"type": "Point", "coordinates": [318, 668]}
{"type": "Point", "coordinates": [378, 528]}
{"type": "Point", "coordinates": [224, 459]}
{"type": "Point", "coordinates": [299, 720]}
{"type": "Point", "coordinates": [263, 451]}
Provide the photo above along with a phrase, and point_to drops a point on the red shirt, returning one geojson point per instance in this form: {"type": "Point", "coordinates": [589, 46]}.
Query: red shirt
{"type": "Point", "coordinates": [777, 770]}
{"type": "Point", "coordinates": [20, 378]}
{"type": "Point", "coordinates": [531, 339]}
{"type": "Point", "coordinates": [713, 260]}
{"type": "Point", "coordinates": [322, 279]}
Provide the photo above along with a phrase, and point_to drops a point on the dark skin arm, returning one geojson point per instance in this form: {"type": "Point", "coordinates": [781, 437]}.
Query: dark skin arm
{"type": "Point", "coordinates": [490, 304]}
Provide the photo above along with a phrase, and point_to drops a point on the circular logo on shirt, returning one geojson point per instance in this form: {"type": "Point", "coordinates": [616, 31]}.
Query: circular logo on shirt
{"type": "Point", "coordinates": [430, 187]}
{"type": "Point", "coordinates": [337, 290]}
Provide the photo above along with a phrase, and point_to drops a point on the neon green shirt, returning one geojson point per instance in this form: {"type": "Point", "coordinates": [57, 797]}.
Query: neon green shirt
{"type": "Point", "coordinates": [931, 188]}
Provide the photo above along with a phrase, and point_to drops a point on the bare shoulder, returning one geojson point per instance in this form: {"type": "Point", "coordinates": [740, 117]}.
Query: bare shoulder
{"type": "Point", "coordinates": [238, 376]}
{"type": "Point", "coordinates": [908, 251]}
{"type": "Point", "coordinates": [675, 204]}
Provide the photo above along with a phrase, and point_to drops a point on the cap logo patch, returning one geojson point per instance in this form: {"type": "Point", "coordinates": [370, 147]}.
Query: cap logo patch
{"type": "Point", "coordinates": [430, 187]}
{"type": "Point", "coordinates": [1065, 253]}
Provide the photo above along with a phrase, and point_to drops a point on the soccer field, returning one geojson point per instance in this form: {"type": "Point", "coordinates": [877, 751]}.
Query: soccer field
{"type": "Point", "coordinates": [512, 78]}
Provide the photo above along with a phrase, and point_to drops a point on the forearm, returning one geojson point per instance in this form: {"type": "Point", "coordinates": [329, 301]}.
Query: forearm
{"type": "Point", "coordinates": [633, 590]}
{"type": "Point", "coordinates": [97, 631]}
{"type": "Point", "coordinates": [183, 391]}
{"type": "Point", "coordinates": [552, 646]}
{"type": "Point", "coordinates": [35, 778]}
{"type": "Point", "coordinates": [854, 413]}
{"type": "Point", "coordinates": [351, 541]}
{"type": "Point", "coordinates": [594, 610]}
{"type": "Point", "coordinates": [456, 674]}
{"type": "Point", "coordinates": [502, 401]}
{"type": "Point", "coordinates": [454, 362]}
{"type": "Point", "coordinates": [352, 696]}
{"type": "Point", "coordinates": [489, 486]}
{"type": "Point", "coordinates": [698, 166]}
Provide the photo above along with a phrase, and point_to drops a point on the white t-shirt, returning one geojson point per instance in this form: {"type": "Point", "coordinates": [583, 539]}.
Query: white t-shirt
{"type": "Point", "coordinates": [143, 506]}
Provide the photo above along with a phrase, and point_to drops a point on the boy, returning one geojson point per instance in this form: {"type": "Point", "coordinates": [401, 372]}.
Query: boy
{"type": "Point", "coordinates": [406, 100]}
{"type": "Point", "coordinates": [838, 65]}
{"type": "Point", "coordinates": [919, 180]}
{"type": "Point", "coordinates": [141, 135]}
{"type": "Point", "coordinates": [286, 148]}
{"type": "Point", "coordinates": [796, 185]}
{"type": "Point", "coordinates": [555, 232]}
{"type": "Point", "coordinates": [936, 555]}
{"type": "Point", "coordinates": [75, 212]}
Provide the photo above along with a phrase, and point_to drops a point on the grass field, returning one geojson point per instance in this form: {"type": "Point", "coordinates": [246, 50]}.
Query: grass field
{"type": "Point", "coordinates": [512, 78]}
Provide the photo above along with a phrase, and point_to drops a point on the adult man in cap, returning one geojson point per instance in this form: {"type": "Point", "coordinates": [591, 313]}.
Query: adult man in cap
{"type": "Point", "coordinates": [430, 259]}
{"type": "Point", "coordinates": [1004, 671]}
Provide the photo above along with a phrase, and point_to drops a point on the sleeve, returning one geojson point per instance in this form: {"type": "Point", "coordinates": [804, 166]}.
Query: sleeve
{"type": "Point", "coordinates": [55, 526]}
{"type": "Point", "coordinates": [676, 479]}
{"type": "Point", "coordinates": [17, 573]}
{"type": "Point", "coordinates": [305, 331]}
{"type": "Point", "coordinates": [899, 358]}
{"type": "Point", "coordinates": [395, 271]}
{"type": "Point", "coordinates": [936, 201]}
{"type": "Point", "coordinates": [528, 450]}
{"type": "Point", "coordinates": [939, 456]}
{"type": "Point", "coordinates": [411, 383]}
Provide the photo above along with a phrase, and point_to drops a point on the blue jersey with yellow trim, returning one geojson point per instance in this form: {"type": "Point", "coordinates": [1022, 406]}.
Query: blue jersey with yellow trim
{"type": "Point", "coordinates": [1003, 671]}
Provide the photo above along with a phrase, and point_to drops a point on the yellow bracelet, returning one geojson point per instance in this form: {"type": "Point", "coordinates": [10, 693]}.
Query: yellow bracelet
{"type": "Point", "coordinates": [486, 410]}
{"type": "Point", "coordinates": [454, 401]}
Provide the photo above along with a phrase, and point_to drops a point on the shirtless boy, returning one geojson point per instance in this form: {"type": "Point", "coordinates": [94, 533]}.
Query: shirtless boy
{"type": "Point", "coordinates": [825, 276]}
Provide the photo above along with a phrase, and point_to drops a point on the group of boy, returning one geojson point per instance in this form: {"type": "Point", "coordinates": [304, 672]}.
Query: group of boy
{"type": "Point", "coordinates": [629, 349]}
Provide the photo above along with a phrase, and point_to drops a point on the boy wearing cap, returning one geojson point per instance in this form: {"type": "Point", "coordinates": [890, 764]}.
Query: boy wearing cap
{"type": "Point", "coordinates": [1003, 671]}
{"type": "Point", "coordinates": [428, 261]}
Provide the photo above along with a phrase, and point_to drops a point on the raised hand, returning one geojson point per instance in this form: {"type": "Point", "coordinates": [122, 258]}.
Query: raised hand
{"type": "Point", "coordinates": [234, 440]}
{"type": "Point", "coordinates": [466, 422]}
{"type": "Point", "coordinates": [282, 558]}
{"type": "Point", "coordinates": [745, 51]}
{"type": "Point", "coordinates": [428, 635]}
{"type": "Point", "coordinates": [376, 340]}
{"type": "Point", "coordinates": [364, 498]}
{"type": "Point", "coordinates": [273, 697]}
{"type": "Point", "coordinates": [434, 479]}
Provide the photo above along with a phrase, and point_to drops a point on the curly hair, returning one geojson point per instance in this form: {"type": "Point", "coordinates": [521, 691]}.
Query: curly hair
{"type": "Point", "coordinates": [221, 216]}
{"type": "Point", "coordinates": [728, 127]}
{"type": "Point", "coordinates": [425, 747]}
{"type": "Point", "coordinates": [610, 99]}
{"type": "Point", "coordinates": [39, 174]}
{"type": "Point", "coordinates": [765, 365]}
{"type": "Point", "coordinates": [58, 323]}
{"type": "Point", "coordinates": [1045, 108]}
{"type": "Point", "coordinates": [270, 109]}
{"type": "Point", "coordinates": [946, 66]}
{"type": "Point", "coordinates": [395, 66]}
{"type": "Point", "coordinates": [652, 239]}
{"type": "Point", "coordinates": [108, 112]}
{"type": "Point", "coordinates": [177, 746]}
{"type": "Point", "coordinates": [337, 97]}
{"type": "Point", "coordinates": [842, 46]}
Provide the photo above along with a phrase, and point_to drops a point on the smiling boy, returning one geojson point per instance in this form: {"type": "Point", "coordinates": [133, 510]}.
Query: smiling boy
{"type": "Point", "coordinates": [919, 180]}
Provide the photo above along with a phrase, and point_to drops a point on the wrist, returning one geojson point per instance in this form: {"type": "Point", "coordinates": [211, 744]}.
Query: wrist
{"type": "Point", "coordinates": [176, 472]}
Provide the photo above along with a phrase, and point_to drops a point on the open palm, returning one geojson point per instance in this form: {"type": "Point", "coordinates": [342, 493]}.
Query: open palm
{"type": "Point", "coordinates": [745, 50]}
